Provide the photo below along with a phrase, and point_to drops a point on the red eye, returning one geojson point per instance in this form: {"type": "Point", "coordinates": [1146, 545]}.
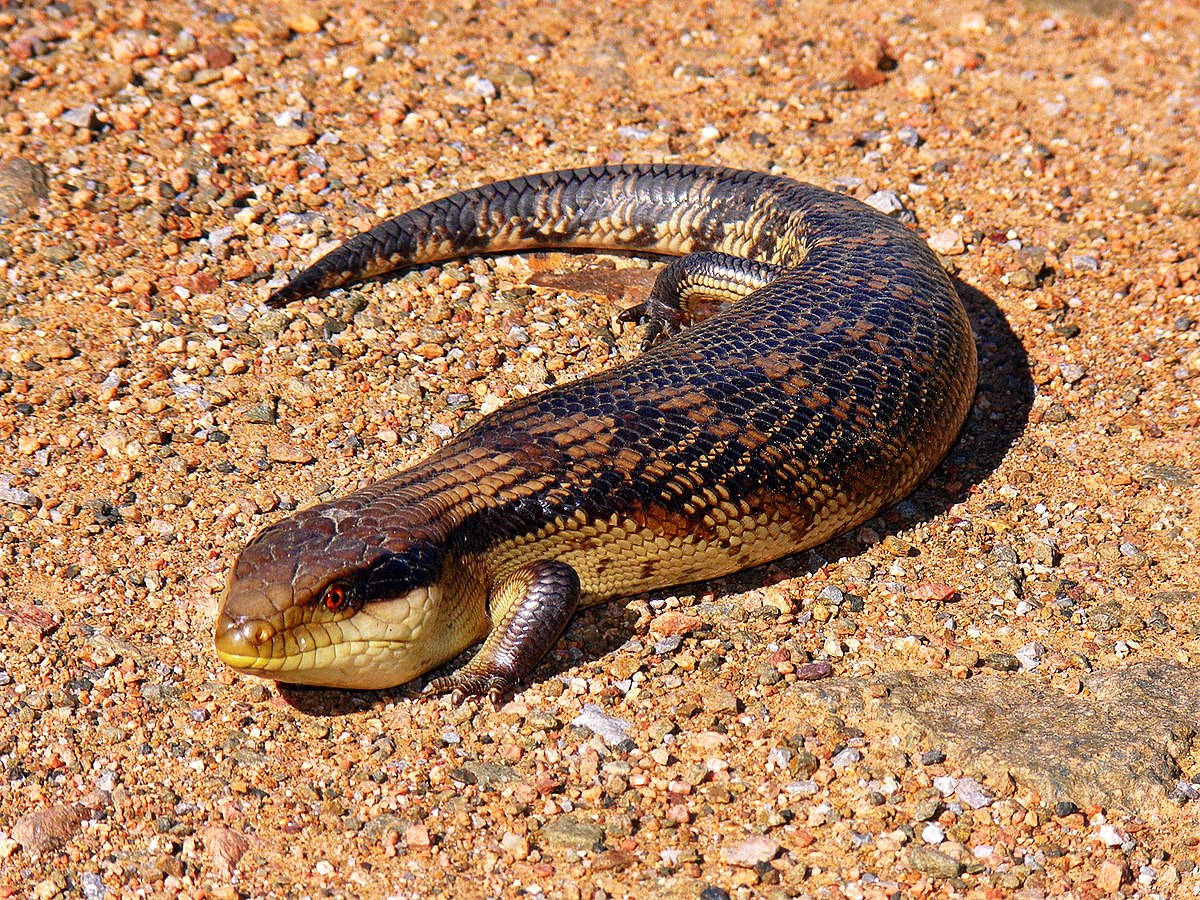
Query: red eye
{"type": "Point", "coordinates": [335, 597]}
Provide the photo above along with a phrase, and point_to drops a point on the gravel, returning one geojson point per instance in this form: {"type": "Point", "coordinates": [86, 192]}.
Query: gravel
{"type": "Point", "coordinates": [778, 732]}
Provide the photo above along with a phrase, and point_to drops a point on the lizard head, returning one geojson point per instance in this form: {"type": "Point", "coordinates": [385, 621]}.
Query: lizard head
{"type": "Point", "coordinates": [327, 598]}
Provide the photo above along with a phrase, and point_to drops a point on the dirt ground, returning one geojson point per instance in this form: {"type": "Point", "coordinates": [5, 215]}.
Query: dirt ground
{"type": "Point", "coordinates": [162, 165]}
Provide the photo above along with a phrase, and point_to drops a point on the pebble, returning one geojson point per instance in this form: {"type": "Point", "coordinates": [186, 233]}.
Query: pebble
{"type": "Point", "coordinates": [303, 21]}
{"type": "Point", "coordinates": [23, 184]}
{"type": "Point", "coordinates": [293, 137]}
{"type": "Point", "coordinates": [158, 205]}
{"type": "Point", "coordinates": [417, 837]}
{"type": "Point", "coordinates": [613, 730]}
{"type": "Point", "coordinates": [573, 833]}
{"type": "Point", "coordinates": [285, 452]}
{"type": "Point", "coordinates": [945, 784]}
{"type": "Point", "coordinates": [1072, 373]}
{"type": "Point", "coordinates": [846, 758]}
{"type": "Point", "coordinates": [1002, 662]}
{"type": "Point", "coordinates": [60, 349]}
{"type": "Point", "coordinates": [484, 88]}
{"type": "Point", "coordinates": [1030, 655]}
{"type": "Point", "coordinates": [225, 847]}
{"type": "Point", "coordinates": [81, 117]}
{"type": "Point", "coordinates": [887, 202]}
{"type": "Point", "coordinates": [44, 829]}
{"type": "Point", "coordinates": [92, 886]}
{"type": "Point", "coordinates": [933, 862]}
{"type": "Point", "coordinates": [667, 645]}
{"type": "Point", "coordinates": [972, 793]}
{"type": "Point", "coordinates": [751, 852]}
{"type": "Point", "coordinates": [17, 496]}
{"type": "Point", "coordinates": [717, 699]}
{"type": "Point", "coordinates": [933, 833]}
{"type": "Point", "coordinates": [814, 671]}
{"type": "Point", "coordinates": [947, 242]}
{"type": "Point", "coordinates": [1111, 876]}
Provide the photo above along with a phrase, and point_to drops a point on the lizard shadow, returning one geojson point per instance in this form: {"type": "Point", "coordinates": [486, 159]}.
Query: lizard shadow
{"type": "Point", "coordinates": [998, 416]}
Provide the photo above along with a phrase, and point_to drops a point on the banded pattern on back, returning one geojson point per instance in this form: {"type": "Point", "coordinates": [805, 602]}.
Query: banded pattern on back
{"type": "Point", "coordinates": [793, 414]}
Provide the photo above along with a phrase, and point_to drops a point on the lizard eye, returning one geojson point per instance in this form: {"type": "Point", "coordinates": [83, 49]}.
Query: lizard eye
{"type": "Point", "coordinates": [336, 597]}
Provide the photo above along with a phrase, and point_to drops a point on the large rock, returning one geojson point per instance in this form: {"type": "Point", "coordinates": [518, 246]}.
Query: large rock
{"type": "Point", "coordinates": [1117, 743]}
{"type": "Point", "coordinates": [22, 186]}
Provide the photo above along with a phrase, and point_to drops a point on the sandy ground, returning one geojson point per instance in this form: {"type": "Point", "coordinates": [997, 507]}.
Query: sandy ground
{"type": "Point", "coordinates": [154, 415]}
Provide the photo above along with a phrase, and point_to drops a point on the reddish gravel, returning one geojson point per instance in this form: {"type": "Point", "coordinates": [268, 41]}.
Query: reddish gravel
{"type": "Point", "coordinates": [162, 165]}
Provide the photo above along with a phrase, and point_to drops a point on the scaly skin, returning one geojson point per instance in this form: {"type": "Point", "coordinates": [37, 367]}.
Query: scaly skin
{"type": "Point", "coordinates": [834, 382]}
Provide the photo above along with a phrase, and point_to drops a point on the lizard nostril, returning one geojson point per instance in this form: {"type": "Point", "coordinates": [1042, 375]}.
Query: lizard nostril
{"type": "Point", "coordinates": [261, 633]}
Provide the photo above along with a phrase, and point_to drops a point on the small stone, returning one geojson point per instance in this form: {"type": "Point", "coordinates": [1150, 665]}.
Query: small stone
{"type": "Point", "coordinates": [933, 833]}
{"type": "Point", "coordinates": [416, 837]}
{"type": "Point", "coordinates": [226, 847]}
{"type": "Point", "coordinates": [1002, 662]}
{"type": "Point", "coordinates": [1109, 836]}
{"type": "Point", "coordinates": [887, 202]}
{"type": "Point", "coordinates": [17, 496]}
{"type": "Point", "coordinates": [218, 57]}
{"type": "Point", "coordinates": [304, 21]}
{"type": "Point", "coordinates": [928, 809]}
{"type": "Point", "coordinates": [92, 886]}
{"type": "Point", "coordinates": [1188, 206]}
{"type": "Point", "coordinates": [936, 592]}
{"type": "Point", "coordinates": [1111, 876]}
{"type": "Point", "coordinates": [572, 833]}
{"type": "Point", "coordinates": [262, 414]}
{"type": "Point", "coordinates": [667, 645]}
{"type": "Point", "coordinates": [814, 671]}
{"type": "Point", "coordinates": [484, 88]}
{"type": "Point", "coordinates": [1023, 279]}
{"type": "Point", "coordinates": [22, 185]}
{"type": "Point", "coordinates": [81, 117]}
{"type": "Point", "coordinates": [284, 452]}
{"type": "Point", "coordinates": [934, 862]}
{"type": "Point", "coordinates": [717, 699]}
{"type": "Point", "coordinates": [962, 656]}
{"type": "Point", "coordinates": [947, 242]}
{"type": "Point", "coordinates": [971, 792]}
{"type": "Point", "coordinates": [59, 349]}
{"type": "Point", "coordinates": [46, 828]}
{"type": "Point", "coordinates": [514, 844]}
{"type": "Point", "coordinates": [750, 852]}
{"type": "Point", "coordinates": [1030, 655]}
{"type": "Point", "coordinates": [1071, 373]}
{"type": "Point", "coordinates": [846, 758]}
{"type": "Point", "coordinates": [674, 623]}
{"type": "Point", "coordinates": [932, 758]}
{"type": "Point", "coordinates": [294, 137]}
{"type": "Point", "coordinates": [485, 774]}
{"type": "Point", "coordinates": [614, 731]}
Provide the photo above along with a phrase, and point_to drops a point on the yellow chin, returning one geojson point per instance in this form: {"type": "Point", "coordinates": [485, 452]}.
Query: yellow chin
{"type": "Point", "coordinates": [384, 644]}
{"type": "Point", "coordinates": [365, 665]}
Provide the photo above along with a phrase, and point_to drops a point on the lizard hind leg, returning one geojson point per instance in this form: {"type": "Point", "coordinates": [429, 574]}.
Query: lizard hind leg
{"type": "Point", "coordinates": [691, 288]}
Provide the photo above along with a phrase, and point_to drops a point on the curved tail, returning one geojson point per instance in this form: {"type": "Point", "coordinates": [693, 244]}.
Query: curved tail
{"type": "Point", "coordinates": [668, 209]}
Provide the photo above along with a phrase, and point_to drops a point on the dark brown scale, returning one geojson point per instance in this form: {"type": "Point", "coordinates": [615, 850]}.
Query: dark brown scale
{"type": "Point", "coordinates": [816, 400]}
